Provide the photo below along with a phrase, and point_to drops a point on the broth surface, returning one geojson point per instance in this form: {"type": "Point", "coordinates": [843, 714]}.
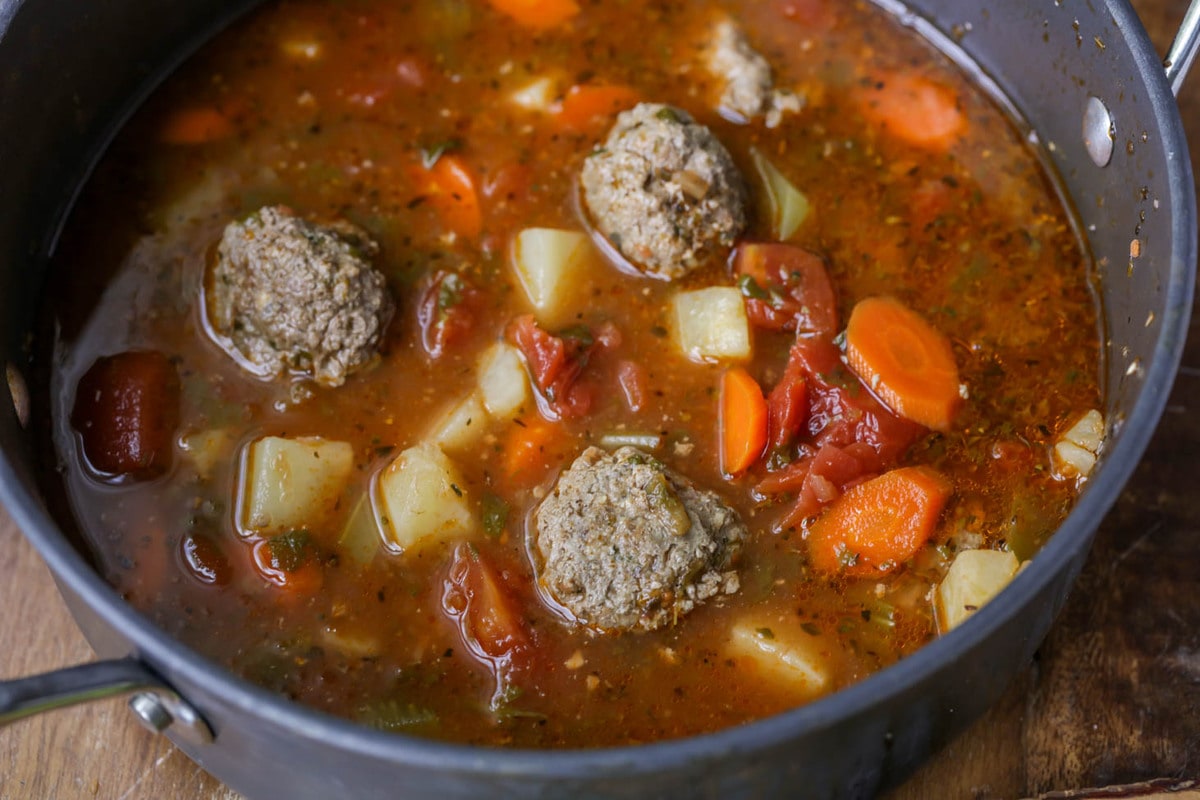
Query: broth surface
{"type": "Point", "coordinates": [342, 110]}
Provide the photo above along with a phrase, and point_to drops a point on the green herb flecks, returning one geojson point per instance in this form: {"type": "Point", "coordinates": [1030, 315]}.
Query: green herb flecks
{"type": "Point", "coordinates": [290, 551]}
{"type": "Point", "coordinates": [495, 515]}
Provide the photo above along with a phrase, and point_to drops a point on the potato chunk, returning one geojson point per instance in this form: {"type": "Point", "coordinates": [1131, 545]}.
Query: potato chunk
{"type": "Point", "coordinates": [1076, 450]}
{"type": "Point", "coordinates": [421, 499]}
{"type": "Point", "coordinates": [975, 577]}
{"type": "Point", "coordinates": [460, 427]}
{"type": "Point", "coordinates": [551, 265]}
{"type": "Point", "coordinates": [503, 381]}
{"type": "Point", "coordinates": [291, 483]}
{"type": "Point", "coordinates": [786, 654]}
{"type": "Point", "coordinates": [711, 324]}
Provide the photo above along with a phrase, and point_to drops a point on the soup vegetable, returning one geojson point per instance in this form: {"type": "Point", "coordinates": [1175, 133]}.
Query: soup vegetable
{"type": "Point", "coordinates": [478, 370]}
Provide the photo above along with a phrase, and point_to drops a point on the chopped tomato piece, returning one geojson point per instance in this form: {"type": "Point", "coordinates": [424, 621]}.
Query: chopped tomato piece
{"type": "Point", "coordinates": [447, 312]}
{"type": "Point", "coordinates": [556, 363]}
{"type": "Point", "coordinates": [487, 615]}
{"type": "Point", "coordinates": [787, 408]}
{"type": "Point", "coordinates": [126, 411]}
{"type": "Point", "coordinates": [843, 411]}
{"type": "Point", "coordinates": [787, 288]}
{"type": "Point", "coordinates": [848, 435]}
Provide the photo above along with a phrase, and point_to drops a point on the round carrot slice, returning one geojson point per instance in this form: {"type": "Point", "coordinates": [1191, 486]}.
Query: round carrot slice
{"type": "Point", "coordinates": [907, 362]}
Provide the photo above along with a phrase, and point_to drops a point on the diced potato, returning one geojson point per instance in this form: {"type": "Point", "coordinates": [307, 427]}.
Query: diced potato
{"type": "Point", "coordinates": [1076, 450]}
{"type": "Point", "coordinates": [975, 577]}
{"type": "Point", "coordinates": [360, 539]}
{"type": "Point", "coordinates": [537, 95]}
{"type": "Point", "coordinates": [421, 498]}
{"type": "Point", "coordinates": [551, 265]}
{"type": "Point", "coordinates": [786, 654]}
{"type": "Point", "coordinates": [460, 427]}
{"type": "Point", "coordinates": [207, 449]}
{"type": "Point", "coordinates": [789, 206]}
{"type": "Point", "coordinates": [503, 381]}
{"type": "Point", "coordinates": [711, 324]}
{"type": "Point", "coordinates": [291, 483]}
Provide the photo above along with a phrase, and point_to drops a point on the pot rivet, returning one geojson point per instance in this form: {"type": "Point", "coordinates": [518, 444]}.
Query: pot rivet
{"type": "Point", "coordinates": [1099, 133]}
{"type": "Point", "coordinates": [157, 711]}
{"type": "Point", "coordinates": [151, 712]}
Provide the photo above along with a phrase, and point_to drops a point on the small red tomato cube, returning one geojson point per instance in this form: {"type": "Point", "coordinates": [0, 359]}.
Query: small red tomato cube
{"type": "Point", "coordinates": [126, 411]}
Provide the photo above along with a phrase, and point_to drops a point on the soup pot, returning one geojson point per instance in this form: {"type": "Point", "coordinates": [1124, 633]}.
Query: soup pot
{"type": "Point", "coordinates": [1085, 79]}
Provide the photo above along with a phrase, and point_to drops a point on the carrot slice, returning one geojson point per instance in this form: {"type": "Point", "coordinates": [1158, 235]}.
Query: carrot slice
{"type": "Point", "coordinates": [915, 110]}
{"type": "Point", "coordinates": [538, 14]}
{"type": "Point", "coordinates": [289, 561]}
{"type": "Point", "coordinates": [528, 449]}
{"type": "Point", "coordinates": [585, 106]}
{"type": "Point", "coordinates": [742, 421]}
{"type": "Point", "coordinates": [196, 126]}
{"type": "Point", "coordinates": [905, 360]}
{"type": "Point", "coordinates": [449, 187]}
{"type": "Point", "coordinates": [878, 525]}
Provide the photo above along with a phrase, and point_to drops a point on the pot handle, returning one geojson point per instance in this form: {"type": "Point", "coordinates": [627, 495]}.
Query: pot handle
{"type": "Point", "coordinates": [156, 705]}
{"type": "Point", "coordinates": [1183, 49]}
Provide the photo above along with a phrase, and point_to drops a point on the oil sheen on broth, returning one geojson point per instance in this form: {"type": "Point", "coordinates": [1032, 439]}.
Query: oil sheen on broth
{"type": "Point", "coordinates": [480, 371]}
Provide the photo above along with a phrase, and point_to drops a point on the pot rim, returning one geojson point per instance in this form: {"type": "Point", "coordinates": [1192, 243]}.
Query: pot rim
{"type": "Point", "coordinates": [171, 657]}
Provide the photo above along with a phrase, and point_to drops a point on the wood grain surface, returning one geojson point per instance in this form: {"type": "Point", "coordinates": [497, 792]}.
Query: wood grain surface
{"type": "Point", "coordinates": [1112, 698]}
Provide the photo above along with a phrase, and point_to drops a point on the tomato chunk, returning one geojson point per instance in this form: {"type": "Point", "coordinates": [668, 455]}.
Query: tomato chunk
{"type": "Point", "coordinates": [787, 408]}
{"type": "Point", "coordinates": [787, 288]}
{"type": "Point", "coordinates": [126, 411]}
{"type": "Point", "coordinates": [447, 312]}
{"type": "Point", "coordinates": [557, 363]}
{"type": "Point", "coordinates": [487, 615]}
{"type": "Point", "coordinates": [847, 437]}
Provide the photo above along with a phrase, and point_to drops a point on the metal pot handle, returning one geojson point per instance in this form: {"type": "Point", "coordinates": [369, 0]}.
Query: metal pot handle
{"type": "Point", "coordinates": [156, 705]}
{"type": "Point", "coordinates": [1183, 49]}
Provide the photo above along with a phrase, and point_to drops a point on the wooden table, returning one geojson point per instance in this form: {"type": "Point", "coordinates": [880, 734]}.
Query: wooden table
{"type": "Point", "coordinates": [1113, 696]}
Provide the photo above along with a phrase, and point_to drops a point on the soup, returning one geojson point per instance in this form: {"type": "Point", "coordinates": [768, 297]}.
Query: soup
{"type": "Point", "coordinates": [474, 371]}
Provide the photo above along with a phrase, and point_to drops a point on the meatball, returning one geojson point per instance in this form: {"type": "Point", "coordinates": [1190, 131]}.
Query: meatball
{"type": "Point", "coordinates": [287, 294]}
{"type": "Point", "coordinates": [749, 90]}
{"type": "Point", "coordinates": [664, 191]}
{"type": "Point", "coordinates": [623, 543]}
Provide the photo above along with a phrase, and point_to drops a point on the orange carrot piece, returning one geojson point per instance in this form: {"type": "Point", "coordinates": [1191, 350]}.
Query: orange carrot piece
{"type": "Point", "coordinates": [196, 126]}
{"type": "Point", "coordinates": [527, 448]}
{"type": "Point", "coordinates": [906, 361]}
{"type": "Point", "coordinates": [915, 110]}
{"type": "Point", "coordinates": [742, 421]}
{"type": "Point", "coordinates": [449, 187]}
{"type": "Point", "coordinates": [296, 571]}
{"type": "Point", "coordinates": [538, 14]}
{"type": "Point", "coordinates": [585, 106]}
{"type": "Point", "coordinates": [878, 525]}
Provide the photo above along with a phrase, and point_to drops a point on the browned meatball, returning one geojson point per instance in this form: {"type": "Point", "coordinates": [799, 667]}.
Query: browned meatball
{"type": "Point", "coordinates": [664, 191]}
{"type": "Point", "coordinates": [286, 294]}
{"type": "Point", "coordinates": [623, 543]}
